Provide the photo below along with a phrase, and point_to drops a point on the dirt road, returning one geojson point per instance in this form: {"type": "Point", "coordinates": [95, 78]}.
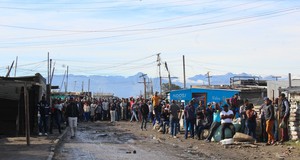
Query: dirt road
{"type": "Point", "coordinates": [125, 140]}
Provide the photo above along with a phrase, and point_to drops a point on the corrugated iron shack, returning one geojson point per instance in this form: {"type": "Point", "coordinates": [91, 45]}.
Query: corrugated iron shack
{"type": "Point", "coordinates": [12, 106]}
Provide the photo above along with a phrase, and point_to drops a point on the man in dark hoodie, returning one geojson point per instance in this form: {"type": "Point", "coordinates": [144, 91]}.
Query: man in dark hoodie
{"type": "Point", "coordinates": [72, 114]}
{"type": "Point", "coordinates": [145, 112]}
{"type": "Point", "coordinates": [43, 111]}
{"type": "Point", "coordinates": [189, 114]}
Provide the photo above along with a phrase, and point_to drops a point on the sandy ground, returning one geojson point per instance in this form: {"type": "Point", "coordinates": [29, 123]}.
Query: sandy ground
{"type": "Point", "coordinates": [15, 148]}
{"type": "Point", "coordinates": [125, 140]}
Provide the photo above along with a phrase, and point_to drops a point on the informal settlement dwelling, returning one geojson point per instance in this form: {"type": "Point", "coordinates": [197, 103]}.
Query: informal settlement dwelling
{"type": "Point", "coordinates": [294, 120]}
{"type": "Point", "coordinates": [12, 108]}
{"type": "Point", "coordinates": [291, 88]}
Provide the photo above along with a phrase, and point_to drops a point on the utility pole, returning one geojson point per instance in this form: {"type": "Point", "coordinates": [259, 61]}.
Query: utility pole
{"type": "Point", "coordinates": [151, 86]}
{"type": "Point", "coordinates": [145, 86]}
{"type": "Point", "coordinates": [184, 81]}
{"type": "Point", "coordinates": [16, 66]}
{"type": "Point", "coordinates": [82, 86]}
{"type": "Point", "coordinates": [52, 74]}
{"type": "Point", "coordinates": [66, 86]}
{"type": "Point", "coordinates": [48, 60]}
{"type": "Point", "coordinates": [9, 69]}
{"type": "Point", "coordinates": [74, 85]}
{"type": "Point", "coordinates": [89, 84]}
{"type": "Point", "coordinates": [276, 77]}
{"type": "Point", "coordinates": [290, 80]}
{"type": "Point", "coordinates": [27, 114]}
{"type": "Point", "coordinates": [50, 71]}
{"type": "Point", "coordinates": [169, 76]}
{"type": "Point", "coordinates": [62, 82]}
{"type": "Point", "coordinates": [158, 64]}
{"type": "Point", "coordinates": [208, 78]}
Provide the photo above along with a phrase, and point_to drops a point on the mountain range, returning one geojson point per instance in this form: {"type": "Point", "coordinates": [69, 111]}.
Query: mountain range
{"type": "Point", "coordinates": [122, 86]}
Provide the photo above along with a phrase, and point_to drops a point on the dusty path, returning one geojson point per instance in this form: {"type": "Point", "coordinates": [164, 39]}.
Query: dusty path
{"type": "Point", "coordinates": [106, 141]}
{"type": "Point", "coordinates": [102, 140]}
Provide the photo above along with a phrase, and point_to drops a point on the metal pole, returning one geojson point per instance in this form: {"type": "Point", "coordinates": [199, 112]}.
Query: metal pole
{"type": "Point", "coordinates": [145, 87]}
{"type": "Point", "coordinates": [160, 80]}
{"type": "Point", "coordinates": [66, 86]}
{"type": "Point", "coordinates": [184, 81]}
{"type": "Point", "coordinates": [16, 66]}
{"type": "Point", "coordinates": [89, 84]}
{"type": "Point", "coordinates": [48, 60]}
{"type": "Point", "coordinates": [290, 80]}
{"type": "Point", "coordinates": [27, 125]}
{"type": "Point", "coordinates": [82, 86]}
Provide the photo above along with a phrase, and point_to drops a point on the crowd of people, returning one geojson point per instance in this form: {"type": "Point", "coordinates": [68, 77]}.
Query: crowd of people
{"type": "Point", "coordinates": [166, 115]}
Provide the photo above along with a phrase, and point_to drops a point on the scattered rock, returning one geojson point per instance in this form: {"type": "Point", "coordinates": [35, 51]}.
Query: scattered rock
{"type": "Point", "coordinates": [64, 151]}
{"type": "Point", "coordinates": [195, 148]}
{"type": "Point", "coordinates": [290, 148]}
{"type": "Point", "coordinates": [175, 146]}
{"type": "Point", "coordinates": [103, 135]}
{"type": "Point", "coordinates": [151, 136]}
{"type": "Point", "coordinates": [240, 137]}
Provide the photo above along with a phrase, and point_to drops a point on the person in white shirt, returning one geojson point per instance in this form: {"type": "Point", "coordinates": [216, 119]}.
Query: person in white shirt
{"type": "Point", "coordinates": [226, 121]}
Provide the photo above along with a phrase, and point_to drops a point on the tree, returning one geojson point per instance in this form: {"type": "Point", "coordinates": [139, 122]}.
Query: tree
{"type": "Point", "coordinates": [165, 87]}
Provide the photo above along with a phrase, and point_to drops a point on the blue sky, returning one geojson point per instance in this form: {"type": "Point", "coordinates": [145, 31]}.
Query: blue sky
{"type": "Point", "coordinates": [122, 37]}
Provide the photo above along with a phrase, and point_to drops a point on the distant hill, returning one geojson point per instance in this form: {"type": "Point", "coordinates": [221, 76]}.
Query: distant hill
{"type": "Point", "coordinates": [129, 86]}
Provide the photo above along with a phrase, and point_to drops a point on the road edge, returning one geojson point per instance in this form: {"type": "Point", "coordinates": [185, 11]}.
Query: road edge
{"type": "Point", "coordinates": [56, 143]}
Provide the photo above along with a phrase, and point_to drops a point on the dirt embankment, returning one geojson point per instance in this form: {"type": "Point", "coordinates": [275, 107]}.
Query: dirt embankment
{"type": "Point", "coordinates": [215, 150]}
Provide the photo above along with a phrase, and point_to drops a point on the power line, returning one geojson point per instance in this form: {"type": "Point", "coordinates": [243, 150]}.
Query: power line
{"type": "Point", "coordinates": [118, 29]}
{"type": "Point", "coordinates": [265, 15]}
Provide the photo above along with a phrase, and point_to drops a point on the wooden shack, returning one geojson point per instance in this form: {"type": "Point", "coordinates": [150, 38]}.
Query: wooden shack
{"type": "Point", "coordinates": [12, 108]}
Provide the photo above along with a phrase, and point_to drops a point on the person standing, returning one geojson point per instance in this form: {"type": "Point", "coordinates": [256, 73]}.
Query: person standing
{"type": "Point", "coordinates": [263, 123]}
{"type": "Point", "coordinates": [150, 115]}
{"type": "Point", "coordinates": [134, 107]}
{"type": "Point", "coordinates": [44, 112]}
{"type": "Point", "coordinates": [144, 112]}
{"type": "Point", "coordinates": [226, 121]}
{"type": "Point", "coordinates": [112, 112]}
{"type": "Point", "coordinates": [243, 115]}
{"type": "Point", "coordinates": [269, 116]}
{"type": "Point", "coordinates": [284, 114]}
{"type": "Point", "coordinates": [72, 114]}
{"type": "Point", "coordinates": [57, 113]}
{"type": "Point", "coordinates": [155, 102]}
{"type": "Point", "coordinates": [93, 110]}
{"type": "Point", "coordinates": [87, 111]}
{"type": "Point", "coordinates": [276, 120]}
{"type": "Point", "coordinates": [124, 109]}
{"type": "Point", "coordinates": [189, 114]}
{"type": "Point", "coordinates": [234, 104]}
{"type": "Point", "coordinates": [105, 107]}
{"type": "Point", "coordinates": [174, 110]}
{"type": "Point", "coordinates": [251, 120]}
{"type": "Point", "coordinates": [98, 111]}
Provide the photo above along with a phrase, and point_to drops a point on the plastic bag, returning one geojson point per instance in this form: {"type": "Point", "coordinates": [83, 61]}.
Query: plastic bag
{"type": "Point", "coordinates": [282, 125]}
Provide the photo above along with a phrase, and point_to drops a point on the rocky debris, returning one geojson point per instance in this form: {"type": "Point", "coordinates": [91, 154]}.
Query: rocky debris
{"type": "Point", "coordinates": [102, 135]}
{"type": "Point", "coordinates": [241, 137]}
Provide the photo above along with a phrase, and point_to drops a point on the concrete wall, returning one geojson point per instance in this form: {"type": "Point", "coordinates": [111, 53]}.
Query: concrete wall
{"type": "Point", "coordinates": [273, 87]}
